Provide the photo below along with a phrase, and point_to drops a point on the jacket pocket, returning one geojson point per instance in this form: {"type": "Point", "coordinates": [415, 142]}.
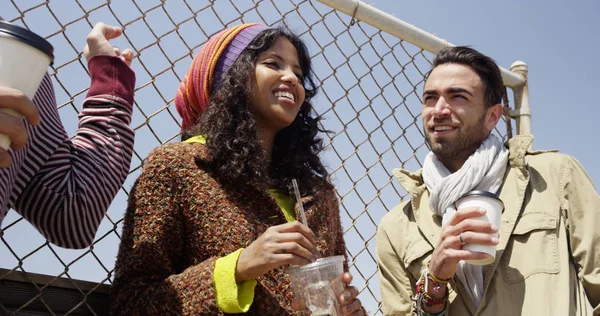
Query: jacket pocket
{"type": "Point", "coordinates": [532, 248]}
{"type": "Point", "coordinates": [416, 256]}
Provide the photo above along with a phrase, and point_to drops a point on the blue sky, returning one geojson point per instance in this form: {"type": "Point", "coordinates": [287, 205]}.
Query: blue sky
{"type": "Point", "coordinates": [375, 110]}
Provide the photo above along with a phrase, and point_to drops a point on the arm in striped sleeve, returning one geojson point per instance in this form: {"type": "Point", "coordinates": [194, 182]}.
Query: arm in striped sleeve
{"type": "Point", "coordinates": [69, 195]}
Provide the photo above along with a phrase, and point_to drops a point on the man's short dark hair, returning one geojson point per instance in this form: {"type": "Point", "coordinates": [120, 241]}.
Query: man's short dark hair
{"type": "Point", "coordinates": [484, 66]}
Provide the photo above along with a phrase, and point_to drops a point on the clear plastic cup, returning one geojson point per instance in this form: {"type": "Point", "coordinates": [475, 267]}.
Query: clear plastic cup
{"type": "Point", "coordinates": [24, 59]}
{"type": "Point", "coordinates": [494, 207]}
{"type": "Point", "coordinates": [319, 283]}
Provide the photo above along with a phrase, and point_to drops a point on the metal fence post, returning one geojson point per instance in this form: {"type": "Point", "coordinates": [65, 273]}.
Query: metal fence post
{"type": "Point", "coordinates": [522, 111]}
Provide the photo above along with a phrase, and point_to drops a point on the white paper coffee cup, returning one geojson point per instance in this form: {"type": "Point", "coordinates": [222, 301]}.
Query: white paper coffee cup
{"type": "Point", "coordinates": [494, 207]}
{"type": "Point", "coordinates": [24, 59]}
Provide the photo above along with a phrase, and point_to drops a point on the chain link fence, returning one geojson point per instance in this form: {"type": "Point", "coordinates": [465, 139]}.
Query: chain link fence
{"type": "Point", "coordinates": [369, 81]}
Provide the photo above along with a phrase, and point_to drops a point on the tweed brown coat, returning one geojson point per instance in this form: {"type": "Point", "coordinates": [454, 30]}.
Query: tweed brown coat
{"type": "Point", "coordinates": [180, 219]}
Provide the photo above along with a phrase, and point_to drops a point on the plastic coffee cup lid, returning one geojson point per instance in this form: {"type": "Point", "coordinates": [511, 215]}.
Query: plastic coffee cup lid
{"type": "Point", "coordinates": [320, 263]}
{"type": "Point", "coordinates": [26, 36]}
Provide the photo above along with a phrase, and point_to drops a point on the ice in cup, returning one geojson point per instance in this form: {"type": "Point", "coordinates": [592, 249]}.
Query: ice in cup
{"type": "Point", "coordinates": [24, 59]}
{"type": "Point", "coordinates": [319, 283]}
{"type": "Point", "coordinates": [494, 207]}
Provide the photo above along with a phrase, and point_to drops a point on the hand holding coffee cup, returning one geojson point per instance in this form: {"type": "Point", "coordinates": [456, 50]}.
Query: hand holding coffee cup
{"type": "Point", "coordinates": [24, 58]}
{"type": "Point", "coordinates": [463, 228]}
{"type": "Point", "coordinates": [493, 207]}
{"type": "Point", "coordinates": [14, 105]}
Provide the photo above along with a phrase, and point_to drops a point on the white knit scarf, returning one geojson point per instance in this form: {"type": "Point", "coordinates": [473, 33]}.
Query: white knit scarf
{"type": "Point", "coordinates": [483, 170]}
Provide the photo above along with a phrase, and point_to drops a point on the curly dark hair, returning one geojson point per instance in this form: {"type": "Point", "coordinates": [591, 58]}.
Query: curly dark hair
{"type": "Point", "coordinates": [236, 157]}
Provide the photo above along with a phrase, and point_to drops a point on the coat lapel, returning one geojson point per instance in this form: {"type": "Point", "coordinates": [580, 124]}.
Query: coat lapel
{"type": "Point", "coordinates": [429, 224]}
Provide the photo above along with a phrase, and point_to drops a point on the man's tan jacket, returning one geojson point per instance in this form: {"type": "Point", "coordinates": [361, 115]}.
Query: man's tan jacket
{"type": "Point", "coordinates": [548, 256]}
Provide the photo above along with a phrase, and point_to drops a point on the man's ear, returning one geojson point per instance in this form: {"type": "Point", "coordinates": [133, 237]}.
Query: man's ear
{"type": "Point", "coordinates": [494, 113]}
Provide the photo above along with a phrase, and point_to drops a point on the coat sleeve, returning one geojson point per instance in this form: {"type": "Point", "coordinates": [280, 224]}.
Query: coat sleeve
{"type": "Point", "coordinates": [581, 207]}
{"type": "Point", "coordinates": [74, 180]}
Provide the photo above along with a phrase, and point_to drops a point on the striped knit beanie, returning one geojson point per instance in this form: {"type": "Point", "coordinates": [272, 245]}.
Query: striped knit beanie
{"type": "Point", "coordinates": [207, 70]}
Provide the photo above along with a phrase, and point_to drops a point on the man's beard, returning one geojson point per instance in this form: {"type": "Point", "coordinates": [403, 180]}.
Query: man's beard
{"type": "Point", "coordinates": [464, 145]}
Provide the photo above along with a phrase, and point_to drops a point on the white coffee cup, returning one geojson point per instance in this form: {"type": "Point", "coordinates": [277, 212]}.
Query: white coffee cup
{"type": "Point", "coordinates": [494, 207]}
{"type": "Point", "coordinates": [24, 59]}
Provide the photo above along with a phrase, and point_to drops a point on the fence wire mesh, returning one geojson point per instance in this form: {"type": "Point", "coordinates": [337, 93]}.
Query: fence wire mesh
{"type": "Point", "coordinates": [369, 96]}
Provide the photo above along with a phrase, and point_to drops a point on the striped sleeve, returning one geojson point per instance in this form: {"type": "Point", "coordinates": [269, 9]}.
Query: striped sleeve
{"type": "Point", "coordinates": [65, 185]}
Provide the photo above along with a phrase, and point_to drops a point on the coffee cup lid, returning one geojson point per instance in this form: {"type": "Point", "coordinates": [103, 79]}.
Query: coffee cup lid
{"type": "Point", "coordinates": [28, 37]}
{"type": "Point", "coordinates": [319, 263]}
